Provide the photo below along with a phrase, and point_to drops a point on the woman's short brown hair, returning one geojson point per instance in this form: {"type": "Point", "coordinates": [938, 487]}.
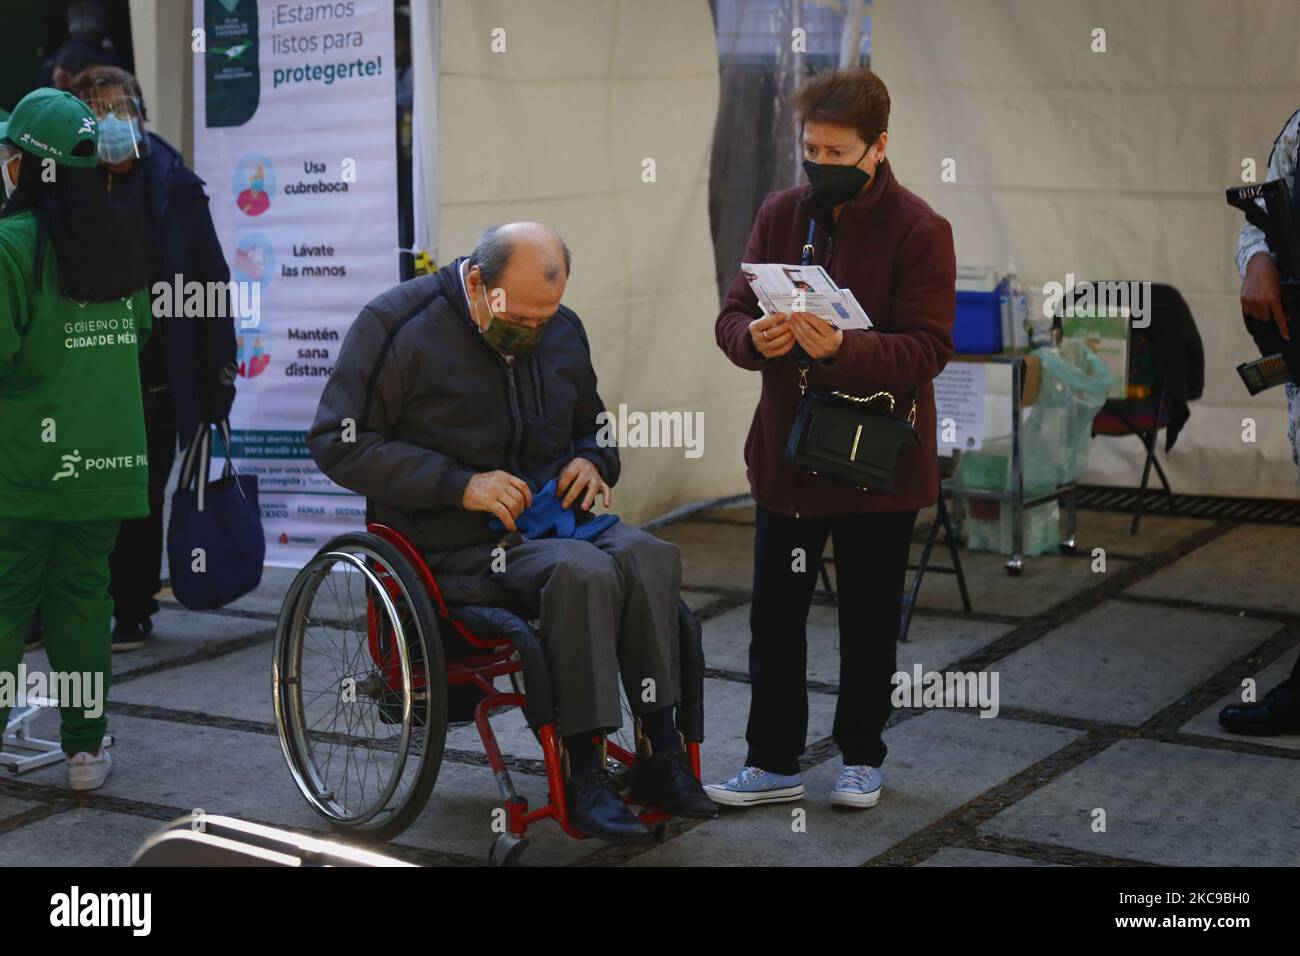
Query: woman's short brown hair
{"type": "Point", "coordinates": [85, 82]}
{"type": "Point", "coordinates": [853, 97]}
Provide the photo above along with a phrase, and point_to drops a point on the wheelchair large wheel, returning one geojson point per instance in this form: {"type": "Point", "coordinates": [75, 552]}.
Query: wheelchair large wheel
{"type": "Point", "coordinates": [360, 687]}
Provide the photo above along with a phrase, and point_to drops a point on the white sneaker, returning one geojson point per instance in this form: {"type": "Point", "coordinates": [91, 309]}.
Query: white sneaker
{"type": "Point", "coordinates": [858, 786]}
{"type": "Point", "coordinates": [88, 771]}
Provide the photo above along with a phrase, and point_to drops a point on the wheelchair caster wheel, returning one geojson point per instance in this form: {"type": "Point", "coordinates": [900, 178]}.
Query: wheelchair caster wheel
{"type": "Point", "coordinates": [1016, 566]}
{"type": "Point", "coordinates": [1070, 545]}
{"type": "Point", "coordinates": [506, 849]}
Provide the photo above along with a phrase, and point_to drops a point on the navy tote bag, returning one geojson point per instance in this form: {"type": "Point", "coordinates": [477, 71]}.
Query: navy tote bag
{"type": "Point", "coordinates": [215, 546]}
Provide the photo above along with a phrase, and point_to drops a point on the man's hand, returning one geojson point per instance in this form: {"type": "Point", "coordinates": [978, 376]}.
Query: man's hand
{"type": "Point", "coordinates": [818, 337]}
{"type": "Point", "coordinates": [772, 335]}
{"type": "Point", "coordinates": [581, 477]}
{"type": "Point", "coordinates": [499, 492]}
{"type": "Point", "coordinates": [1261, 293]}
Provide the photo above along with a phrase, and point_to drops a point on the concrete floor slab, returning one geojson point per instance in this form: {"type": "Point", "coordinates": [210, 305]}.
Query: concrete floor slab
{"type": "Point", "coordinates": [1123, 662]}
{"type": "Point", "coordinates": [1047, 580]}
{"type": "Point", "coordinates": [933, 641]}
{"type": "Point", "coordinates": [187, 766]}
{"type": "Point", "coordinates": [1167, 804]}
{"type": "Point", "coordinates": [176, 634]}
{"type": "Point", "coordinates": [1206, 723]}
{"type": "Point", "coordinates": [713, 554]}
{"type": "Point", "coordinates": [236, 685]}
{"type": "Point", "coordinates": [12, 806]}
{"type": "Point", "coordinates": [695, 600]}
{"type": "Point", "coordinates": [1240, 569]}
{"type": "Point", "coordinates": [938, 762]}
{"type": "Point", "coordinates": [961, 857]}
{"type": "Point", "coordinates": [78, 837]}
{"type": "Point", "coordinates": [1110, 530]}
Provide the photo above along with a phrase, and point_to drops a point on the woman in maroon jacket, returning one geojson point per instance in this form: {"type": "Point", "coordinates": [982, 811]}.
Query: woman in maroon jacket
{"type": "Point", "coordinates": [895, 253]}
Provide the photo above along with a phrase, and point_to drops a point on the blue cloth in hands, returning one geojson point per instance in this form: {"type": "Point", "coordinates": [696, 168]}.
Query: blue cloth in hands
{"type": "Point", "coordinates": [548, 518]}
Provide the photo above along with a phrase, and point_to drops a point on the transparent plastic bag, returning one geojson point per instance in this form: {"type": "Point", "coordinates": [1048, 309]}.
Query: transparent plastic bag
{"type": "Point", "coordinates": [1057, 432]}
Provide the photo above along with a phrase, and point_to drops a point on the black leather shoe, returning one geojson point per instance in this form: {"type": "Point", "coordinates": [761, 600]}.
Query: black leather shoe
{"type": "Point", "coordinates": [130, 635]}
{"type": "Point", "coordinates": [1277, 713]}
{"type": "Point", "coordinates": [35, 633]}
{"type": "Point", "coordinates": [666, 782]}
{"type": "Point", "coordinates": [597, 809]}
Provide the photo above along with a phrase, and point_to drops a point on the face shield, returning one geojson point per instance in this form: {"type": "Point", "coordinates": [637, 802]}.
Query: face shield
{"type": "Point", "coordinates": [8, 153]}
{"type": "Point", "coordinates": [121, 123]}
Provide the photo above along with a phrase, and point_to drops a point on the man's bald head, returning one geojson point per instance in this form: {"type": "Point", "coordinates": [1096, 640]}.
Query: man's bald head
{"type": "Point", "coordinates": [527, 245]}
{"type": "Point", "coordinates": [519, 268]}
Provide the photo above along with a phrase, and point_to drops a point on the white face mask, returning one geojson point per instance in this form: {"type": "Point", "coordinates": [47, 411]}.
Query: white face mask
{"type": "Point", "coordinates": [10, 185]}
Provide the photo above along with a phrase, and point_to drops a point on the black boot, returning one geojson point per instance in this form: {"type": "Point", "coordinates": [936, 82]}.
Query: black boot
{"type": "Point", "coordinates": [597, 809]}
{"type": "Point", "coordinates": [666, 782]}
{"type": "Point", "coordinates": [1277, 713]}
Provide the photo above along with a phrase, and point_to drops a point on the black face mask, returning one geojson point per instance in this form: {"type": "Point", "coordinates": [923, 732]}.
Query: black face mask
{"type": "Point", "coordinates": [833, 185]}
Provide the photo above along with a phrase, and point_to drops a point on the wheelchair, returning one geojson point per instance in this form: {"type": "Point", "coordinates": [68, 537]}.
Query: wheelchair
{"type": "Point", "coordinates": [370, 647]}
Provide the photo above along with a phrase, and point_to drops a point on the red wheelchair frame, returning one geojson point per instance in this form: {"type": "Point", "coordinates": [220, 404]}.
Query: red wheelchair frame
{"type": "Point", "coordinates": [497, 659]}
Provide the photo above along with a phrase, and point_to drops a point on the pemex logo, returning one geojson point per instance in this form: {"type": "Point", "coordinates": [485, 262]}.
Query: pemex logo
{"type": "Point", "coordinates": [69, 467]}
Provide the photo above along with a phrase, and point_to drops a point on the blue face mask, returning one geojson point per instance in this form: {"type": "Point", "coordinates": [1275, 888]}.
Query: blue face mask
{"type": "Point", "coordinates": [119, 139]}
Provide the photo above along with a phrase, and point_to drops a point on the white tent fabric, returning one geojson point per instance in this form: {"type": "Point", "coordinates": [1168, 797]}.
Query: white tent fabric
{"type": "Point", "coordinates": [1109, 166]}
{"type": "Point", "coordinates": [557, 127]}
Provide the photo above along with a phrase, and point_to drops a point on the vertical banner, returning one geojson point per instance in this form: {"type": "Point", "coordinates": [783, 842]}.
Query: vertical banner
{"type": "Point", "coordinates": [295, 136]}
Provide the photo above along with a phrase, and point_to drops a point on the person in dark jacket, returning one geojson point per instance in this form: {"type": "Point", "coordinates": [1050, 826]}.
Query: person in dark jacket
{"type": "Point", "coordinates": [87, 45]}
{"type": "Point", "coordinates": [896, 255]}
{"type": "Point", "coordinates": [187, 370]}
{"type": "Point", "coordinates": [457, 397]}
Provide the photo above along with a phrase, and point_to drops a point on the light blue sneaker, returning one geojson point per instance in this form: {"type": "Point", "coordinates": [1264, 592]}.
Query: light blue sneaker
{"type": "Point", "coordinates": [753, 786]}
{"type": "Point", "coordinates": [859, 786]}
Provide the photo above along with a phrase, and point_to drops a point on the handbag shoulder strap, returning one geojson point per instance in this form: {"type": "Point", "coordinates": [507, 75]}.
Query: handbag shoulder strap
{"type": "Point", "coordinates": [806, 259]}
{"type": "Point", "coordinates": [196, 465]}
{"type": "Point", "coordinates": [808, 248]}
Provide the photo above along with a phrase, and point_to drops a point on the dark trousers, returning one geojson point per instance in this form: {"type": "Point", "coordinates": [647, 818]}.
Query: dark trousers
{"type": "Point", "coordinates": [608, 608]}
{"type": "Point", "coordinates": [871, 552]}
{"type": "Point", "coordinates": [136, 561]}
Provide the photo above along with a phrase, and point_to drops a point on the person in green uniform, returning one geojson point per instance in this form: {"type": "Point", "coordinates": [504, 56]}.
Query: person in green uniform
{"type": "Point", "coordinates": [74, 312]}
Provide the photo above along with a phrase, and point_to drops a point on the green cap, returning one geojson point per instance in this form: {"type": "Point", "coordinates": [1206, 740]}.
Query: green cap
{"type": "Point", "coordinates": [51, 124]}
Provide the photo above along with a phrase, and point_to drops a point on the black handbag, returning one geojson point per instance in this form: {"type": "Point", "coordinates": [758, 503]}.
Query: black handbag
{"type": "Point", "coordinates": [851, 439]}
{"type": "Point", "coordinates": [846, 437]}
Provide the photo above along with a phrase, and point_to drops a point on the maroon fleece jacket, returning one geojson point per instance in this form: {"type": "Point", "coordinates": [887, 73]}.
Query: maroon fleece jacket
{"type": "Point", "coordinates": [896, 254]}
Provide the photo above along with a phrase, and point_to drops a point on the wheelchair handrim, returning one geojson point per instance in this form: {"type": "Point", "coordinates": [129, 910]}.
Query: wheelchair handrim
{"type": "Point", "coordinates": [295, 736]}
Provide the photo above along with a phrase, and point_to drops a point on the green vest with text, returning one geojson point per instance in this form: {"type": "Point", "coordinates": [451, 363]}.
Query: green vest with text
{"type": "Point", "coordinates": [71, 413]}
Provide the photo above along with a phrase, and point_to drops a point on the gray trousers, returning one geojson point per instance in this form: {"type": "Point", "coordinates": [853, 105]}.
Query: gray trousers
{"type": "Point", "coordinates": [607, 608]}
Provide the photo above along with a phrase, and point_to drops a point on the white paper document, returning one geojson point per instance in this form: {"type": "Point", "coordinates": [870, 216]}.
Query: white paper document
{"type": "Point", "coordinates": [783, 288]}
{"type": "Point", "coordinates": [959, 407]}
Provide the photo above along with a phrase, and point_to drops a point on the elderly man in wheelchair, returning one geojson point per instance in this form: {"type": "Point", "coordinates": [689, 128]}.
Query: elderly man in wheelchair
{"type": "Point", "coordinates": [463, 406]}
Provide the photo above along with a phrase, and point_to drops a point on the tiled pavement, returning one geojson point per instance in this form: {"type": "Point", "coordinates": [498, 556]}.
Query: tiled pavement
{"type": "Point", "coordinates": [1105, 749]}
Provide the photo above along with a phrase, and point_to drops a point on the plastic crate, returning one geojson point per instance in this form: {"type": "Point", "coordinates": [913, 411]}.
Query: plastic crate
{"type": "Point", "coordinates": [977, 327]}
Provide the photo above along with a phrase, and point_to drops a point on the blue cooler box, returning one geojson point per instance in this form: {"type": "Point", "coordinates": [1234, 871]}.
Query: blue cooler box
{"type": "Point", "coordinates": [977, 329]}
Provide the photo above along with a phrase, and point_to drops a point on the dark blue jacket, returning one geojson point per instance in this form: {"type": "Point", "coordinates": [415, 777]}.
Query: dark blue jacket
{"type": "Point", "coordinates": [418, 403]}
{"type": "Point", "coordinates": [200, 352]}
